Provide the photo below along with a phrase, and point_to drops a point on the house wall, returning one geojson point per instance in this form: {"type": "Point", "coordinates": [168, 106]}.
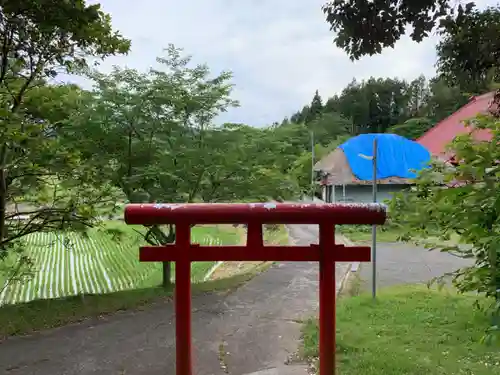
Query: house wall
{"type": "Point", "coordinates": [360, 193]}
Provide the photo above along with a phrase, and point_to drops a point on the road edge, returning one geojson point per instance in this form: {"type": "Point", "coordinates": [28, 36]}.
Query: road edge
{"type": "Point", "coordinates": [351, 266]}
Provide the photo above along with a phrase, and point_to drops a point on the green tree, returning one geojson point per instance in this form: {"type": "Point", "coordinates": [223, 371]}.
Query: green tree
{"type": "Point", "coordinates": [444, 100]}
{"type": "Point", "coordinates": [147, 133]}
{"type": "Point", "coordinates": [300, 116]}
{"type": "Point", "coordinates": [374, 105]}
{"type": "Point", "coordinates": [365, 27]}
{"type": "Point", "coordinates": [377, 104]}
{"type": "Point", "coordinates": [469, 52]}
{"type": "Point", "coordinates": [301, 167]}
{"type": "Point", "coordinates": [332, 104]}
{"type": "Point", "coordinates": [353, 104]}
{"type": "Point", "coordinates": [315, 109]}
{"type": "Point", "coordinates": [329, 126]}
{"type": "Point", "coordinates": [59, 191]}
{"type": "Point", "coordinates": [247, 164]}
{"type": "Point", "coordinates": [286, 142]}
{"type": "Point", "coordinates": [463, 201]}
{"type": "Point", "coordinates": [412, 128]}
{"type": "Point", "coordinates": [152, 135]}
{"type": "Point", "coordinates": [418, 97]}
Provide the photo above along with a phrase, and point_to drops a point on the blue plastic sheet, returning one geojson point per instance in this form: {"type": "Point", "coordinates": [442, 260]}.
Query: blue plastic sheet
{"type": "Point", "coordinates": [396, 156]}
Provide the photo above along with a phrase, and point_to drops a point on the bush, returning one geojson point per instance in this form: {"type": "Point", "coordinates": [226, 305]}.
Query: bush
{"type": "Point", "coordinates": [272, 227]}
{"type": "Point", "coordinates": [462, 201]}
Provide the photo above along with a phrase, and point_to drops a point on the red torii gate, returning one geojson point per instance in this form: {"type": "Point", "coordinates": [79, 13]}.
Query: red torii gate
{"type": "Point", "coordinates": [254, 215]}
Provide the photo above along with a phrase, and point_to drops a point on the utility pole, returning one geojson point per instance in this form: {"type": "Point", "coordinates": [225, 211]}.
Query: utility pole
{"type": "Point", "coordinates": [373, 158]}
{"type": "Point", "coordinates": [374, 227]}
{"type": "Point", "coordinates": [312, 165]}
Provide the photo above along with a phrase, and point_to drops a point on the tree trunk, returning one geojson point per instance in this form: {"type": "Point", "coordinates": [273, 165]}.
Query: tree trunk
{"type": "Point", "coordinates": [164, 239]}
{"type": "Point", "coordinates": [166, 281]}
{"type": "Point", "coordinates": [3, 204]}
{"type": "Point", "coordinates": [3, 192]}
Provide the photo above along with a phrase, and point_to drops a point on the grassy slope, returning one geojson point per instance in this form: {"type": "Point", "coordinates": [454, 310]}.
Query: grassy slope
{"type": "Point", "coordinates": [100, 263]}
{"type": "Point", "coordinates": [41, 314]}
{"type": "Point", "coordinates": [205, 235]}
{"type": "Point", "coordinates": [409, 331]}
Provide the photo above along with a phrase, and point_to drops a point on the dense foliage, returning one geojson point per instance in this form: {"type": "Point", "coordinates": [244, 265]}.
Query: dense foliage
{"type": "Point", "coordinates": [457, 204]}
{"type": "Point", "coordinates": [366, 27]}
{"type": "Point", "coordinates": [41, 176]}
{"type": "Point", "coordinates": [460, 206]}
{"type": "Point", "coordinates": [469, 52]}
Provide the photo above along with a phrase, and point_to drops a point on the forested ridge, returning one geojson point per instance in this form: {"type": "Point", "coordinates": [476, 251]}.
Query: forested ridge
{"type": "Point", "coordinates": [380, 105]}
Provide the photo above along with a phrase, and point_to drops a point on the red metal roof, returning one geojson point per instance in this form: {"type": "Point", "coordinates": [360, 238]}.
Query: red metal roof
{"type": "Point", "coordinates": [437, 138]}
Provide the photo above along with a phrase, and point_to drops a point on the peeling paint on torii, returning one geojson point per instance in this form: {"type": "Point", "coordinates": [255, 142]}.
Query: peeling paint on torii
{"type": "Point", "coordinates": [268, 205]}
{"type": "Point", "coordinates": [241, 213]}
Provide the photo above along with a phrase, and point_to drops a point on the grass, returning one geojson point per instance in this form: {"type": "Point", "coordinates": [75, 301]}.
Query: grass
{"type": "Point", "coordinates": [20, 319]}
{"type": "Point", "coordinates": [273, 235]}
{"type": "Point", "coordinates": [387, 233]}
{"type": "Point", "coordinates": [352, 287]}
{"type": "Point", "coordinates": [276, 235]}
{"type": "Point", "coordinates": [410, 330]}
{"type": "Point", "coordinates": [363, 233]}
{"type": "Point", "coordinates": [70, 264]}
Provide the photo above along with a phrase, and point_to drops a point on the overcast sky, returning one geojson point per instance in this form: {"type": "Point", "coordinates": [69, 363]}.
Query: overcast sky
{"type": "Point", "coordinates": [280, 51]}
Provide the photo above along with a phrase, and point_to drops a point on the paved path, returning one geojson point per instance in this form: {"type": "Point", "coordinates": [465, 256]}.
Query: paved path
{"type": "Point", "coordinates": [399, 263]}
{"type": "Point", "coordinates": [253, 328]}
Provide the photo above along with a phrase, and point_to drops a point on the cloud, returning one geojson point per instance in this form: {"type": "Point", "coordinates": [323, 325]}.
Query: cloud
{"type": "Point", "coordinates": [280, 51]}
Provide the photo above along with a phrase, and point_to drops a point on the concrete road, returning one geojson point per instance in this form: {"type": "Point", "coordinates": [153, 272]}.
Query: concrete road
{"type": "Point", "coordinates": [255, 328]}
{"type": "Point", "coordinates": [400, 263]}
{"type": "Point", "coordinates": [252, 330]}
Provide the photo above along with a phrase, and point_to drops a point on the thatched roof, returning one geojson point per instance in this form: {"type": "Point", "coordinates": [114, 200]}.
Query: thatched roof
{"type": "Point", "coordinates": [339, 172]}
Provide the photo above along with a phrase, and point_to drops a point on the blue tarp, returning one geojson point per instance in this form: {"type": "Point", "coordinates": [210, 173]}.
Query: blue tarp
{"type": "Point", "coordinates": [396, 156]}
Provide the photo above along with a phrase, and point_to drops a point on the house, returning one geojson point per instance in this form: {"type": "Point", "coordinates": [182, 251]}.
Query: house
{"type": "Point", "coordinates": [343, 181]}
{"type": "Point", "coordinates": [436, 139]}
{"type": "Point", "coordinates": [346, 174]}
